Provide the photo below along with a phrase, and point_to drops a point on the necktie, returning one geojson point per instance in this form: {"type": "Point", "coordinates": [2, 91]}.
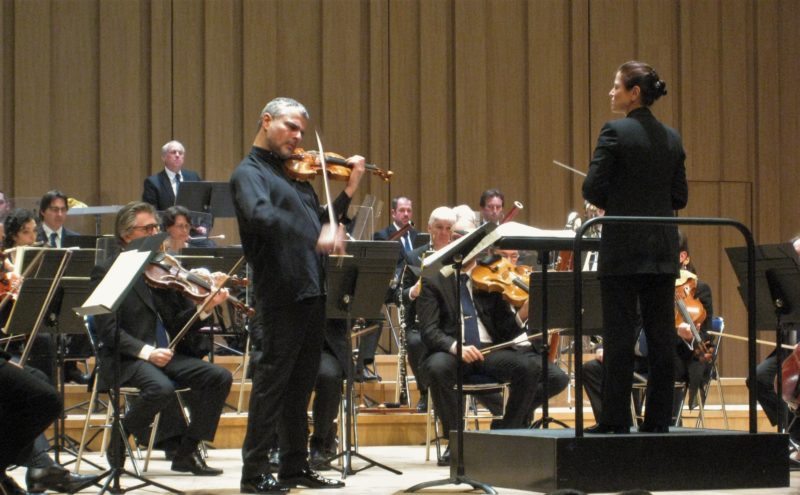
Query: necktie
{"type": "Point", "coordinates": [471, 334]}
{"type": "Point", "coordinates": [53, 239]}
{"type": "Point", "coordinates": [407, 242]}
{"type": "Point", "coordinates": [162, 339]}
{"type": "Point", "coordinates": [178, 179]}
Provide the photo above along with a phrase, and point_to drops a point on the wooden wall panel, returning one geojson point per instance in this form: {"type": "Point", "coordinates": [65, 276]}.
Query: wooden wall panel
{"type": "Point", "coordinates": [74, 161]}
{"type": "Point", "coordinates": [32, 72]}
{"type": "Point", "coordinates": [406, 135]}
{"type": "Point", "coordinates": [454, 96]}
{"type": "Point", "coordinates": [222, 100]}
{"type": "Point", "coordinates": [188, 84]}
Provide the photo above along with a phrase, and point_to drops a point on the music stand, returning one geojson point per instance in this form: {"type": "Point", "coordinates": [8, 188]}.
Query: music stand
{"type": "Point", "coordinates": [79, 241]}
{"type": "Point", "coordinates": [447, 258]}
{"type": "Point", "coordinates": [559, 287]}
{"type": "Point", "coordinates": [80, 265]}
{"type": "Point", "coordinates": [105, 299]}
{"type": "Point", "coordinates": [356, 285]}
{"type": "Point", "coordinates": [777, 295]}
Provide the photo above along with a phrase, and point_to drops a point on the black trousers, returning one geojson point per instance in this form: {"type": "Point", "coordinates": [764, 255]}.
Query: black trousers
{"type": "Point", "coordinates": [28, 406]}
{"type": "Point", "coordinates": [506, 365]}
{"type": "Point", "coordinates": [209, 385]}
{"type": "Point", "coordinates": [327, 397]}
{"type": "Point", "coordinates": [766, 372]}
{"type": "Point", "coordinates": [417, 350]}
{"type": "Point", "coordinates": [654, 296]}
{"type": "Point", "coordinates": [282, 385]}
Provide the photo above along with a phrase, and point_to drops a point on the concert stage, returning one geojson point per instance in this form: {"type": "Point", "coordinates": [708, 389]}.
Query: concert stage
{"type": "Point", "coordinates": [684, 459]}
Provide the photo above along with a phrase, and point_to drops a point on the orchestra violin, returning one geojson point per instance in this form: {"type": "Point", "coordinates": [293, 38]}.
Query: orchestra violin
{"type": "Point", "coordinates": [305, 166]}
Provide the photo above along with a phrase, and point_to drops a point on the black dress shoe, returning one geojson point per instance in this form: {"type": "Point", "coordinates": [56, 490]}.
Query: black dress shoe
{"type": "Point", "coordinates": [647, 428]}
{"type": "Point", "coordinates": [310, 479]}
{"type": "Point", "coordinates": [265, 483]}
{"type": "Point", "coordinates": [195, 464]}
{"type": "Point", "coordinates": [57, 479]}
{"type": "Point", "coordinates": [371, 376]}
{"type": "Point", "coordinates": [74, 375]}
{"type": "Point", "coordinates": [445, 459]}
{"type": "Point", "coordinates": [604, 428]}
{"type": "Point", "coordinates": [10, 487]}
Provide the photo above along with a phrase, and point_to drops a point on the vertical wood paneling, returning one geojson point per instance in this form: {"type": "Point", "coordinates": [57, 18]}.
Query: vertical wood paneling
{"type": "Point", "coordinates": [74, 108]}
{"type": "Point", "coordinates": [161, 80]}
{"type": "Point", "coordinates": [736, 93]}
{"type": "Point", "coordinates": [405, 87]}
{"type": "Point", "coordinates": [223, 82]}
{"type": "Point", "coordinates": [453, 95]}
{"type": "Point", "coordinates": [473, 165]}
{"type": "Point", "coordinates": [32, 72]}
{"type": "Point", "coordinates": [436, 131]}
{"type": "Point", "coordinates": [768, 175]}
{"type": "Point", "coordinates": [124, 116]}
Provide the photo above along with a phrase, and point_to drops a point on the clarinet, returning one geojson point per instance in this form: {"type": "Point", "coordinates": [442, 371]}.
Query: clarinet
{"type": "Point", "coordinates": [401, 395]}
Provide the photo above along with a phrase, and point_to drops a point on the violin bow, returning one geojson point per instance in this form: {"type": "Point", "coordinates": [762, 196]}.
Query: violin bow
{"type": "Point", "coordinates": [512, 343]}
{"type": "Point", "coordinates": [758, 341]}
{"type": "Point", "coordinates": [202, 307]}
{"type": "Point", "coordinates": [331, 217]}
{"type": "Point", "coordinates": [571, 169]}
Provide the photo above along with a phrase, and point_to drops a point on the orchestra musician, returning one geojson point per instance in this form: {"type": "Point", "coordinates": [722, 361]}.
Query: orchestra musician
{"type": "Point", "coordinates": [145, 320]}
{"type": "Point", "coordinates": [53, 213]}
{"type": "Point", "coordinates": [637, 169]}
{"type": "Point", "coordinates": [440, 224]}
{"type": "Point", "coordinates": [177, 225]}
{"type": "Point", "coordinates": [487, 319]}
{"type": "Point", "coordinates": [492, 203]}
{"type": "Point", "coordinates": [285, 236]}
{"type": "Point", "coordinates": [161, 189]}
{"type": "Point", "coordinates": [690, 367]}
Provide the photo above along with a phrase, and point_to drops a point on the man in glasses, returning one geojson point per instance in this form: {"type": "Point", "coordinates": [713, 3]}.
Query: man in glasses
{"type": "Point", "coordinates": [147, 319]}
{"type": "Point", "coordinates": [52, 214]}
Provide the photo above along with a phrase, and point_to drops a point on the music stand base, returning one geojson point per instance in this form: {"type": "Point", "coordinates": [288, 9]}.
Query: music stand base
{"type": "Point", "coordinates": [113, 475]}
{"type": "Point", "coordinates": [454, 480]}
{"type": "Point", "coordinates": [545, 422]}
{"type": "Point", "coordinates": [347, 467]}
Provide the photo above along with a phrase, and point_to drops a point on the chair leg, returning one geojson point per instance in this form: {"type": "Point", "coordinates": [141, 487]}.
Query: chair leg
{"type": "Point", "coordinates": [245, 367]}
{"type": "Point", "coordinates": [153, 432]}
{"type": "Point", "coordinates": [428, 428]}
{"type": "Point", "coordinates": [722, 402]}
{"type": "Point", "coordinates": [86, 423]}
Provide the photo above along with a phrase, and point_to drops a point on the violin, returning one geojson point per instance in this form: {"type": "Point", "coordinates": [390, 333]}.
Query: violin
{"type": "Point", "coordinates": [497, 274]}
{"type": "Point", "coordinates": [304, 166]}
{"type": "Point", "coordinates": [164, 272]}
{"type": "Point", "coordinates": [689, 310]}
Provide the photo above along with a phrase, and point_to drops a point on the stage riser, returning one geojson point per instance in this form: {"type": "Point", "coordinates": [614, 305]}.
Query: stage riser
{"type": "Point", "coordinates": [682, 460]}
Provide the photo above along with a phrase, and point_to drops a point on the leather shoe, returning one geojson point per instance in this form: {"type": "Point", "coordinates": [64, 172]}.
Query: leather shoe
{"type": "Point", "coordinates": [647, 428]}
{"type": "Point", "coordinates": [74, 375]}
{"type": "Point", "coordinates": [57, 479]}
{"type": "Point", "coordinates": [445, 459]}
{"type": "Point", "coordinates": [10, 487]}
{"type": "Point", "coordinates": [265, 483]}
{"type": "Point", "coordinates": [195, 464]}
{"type": "Point", "coordinates": [604, 428]}
{"type": "Point", "coordinates": [310, 479]}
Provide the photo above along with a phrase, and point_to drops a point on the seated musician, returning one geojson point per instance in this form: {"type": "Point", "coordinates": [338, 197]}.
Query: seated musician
{"type": "Point", "coordinates": [768, 398]}
{"type": "Point", "coordinates": [177, 225]}
{"type": "Point", "coordinates": [145, 320]}
{"type": "Point", "coordinates": [691, 365]}
{"type": "Point", "coordinates": [488, 320]}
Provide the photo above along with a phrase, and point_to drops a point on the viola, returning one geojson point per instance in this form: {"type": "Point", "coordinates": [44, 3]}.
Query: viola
{"type": "Point", "coordinates": [497, 274]}
{"type": "Point", "coordinates": [165, 272]}
{"type": "Point", "coordinates": [689, 310]}
{"type": "Point", "coordinates": [305, 166]}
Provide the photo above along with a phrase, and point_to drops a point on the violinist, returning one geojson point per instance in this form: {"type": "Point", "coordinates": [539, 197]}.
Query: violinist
{"type": "Point", "coordinates": [146, 319]}
{"type": "Point", "coordinates": [487, 319]}
{"type": "Point", "coordinates": [286, 236]}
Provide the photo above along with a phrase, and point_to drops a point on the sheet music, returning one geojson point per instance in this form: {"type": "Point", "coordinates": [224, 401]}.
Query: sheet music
{"type": "Point", "coordinates": [119, 277]}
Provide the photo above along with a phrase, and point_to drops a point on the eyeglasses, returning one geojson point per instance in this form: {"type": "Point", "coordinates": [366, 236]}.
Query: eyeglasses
{"type": "Point", "coordinates": [182, 226]}
{"type": "Point", "coordinates": [153, 227]}
{"type": "Point", "coordinates": [57, 209]}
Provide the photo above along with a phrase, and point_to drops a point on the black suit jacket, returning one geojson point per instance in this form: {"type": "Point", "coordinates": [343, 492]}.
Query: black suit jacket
{"type": "Point", "coordinates": [158, 189]}
{"type": "Point", "coordinates": [385, 234]}
{"type": "Point", "coordinates": [439, 313]}
{"type": "Point", "coordinates": [638, 170]}
{"type": "Point", "coordinates": [137, 318]}
{"type": "Point", "coordinates": [42, 237]}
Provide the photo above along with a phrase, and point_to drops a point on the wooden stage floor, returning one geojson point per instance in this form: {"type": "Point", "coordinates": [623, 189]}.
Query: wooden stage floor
{"type": "Point", "coordinates": [373, 481]}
